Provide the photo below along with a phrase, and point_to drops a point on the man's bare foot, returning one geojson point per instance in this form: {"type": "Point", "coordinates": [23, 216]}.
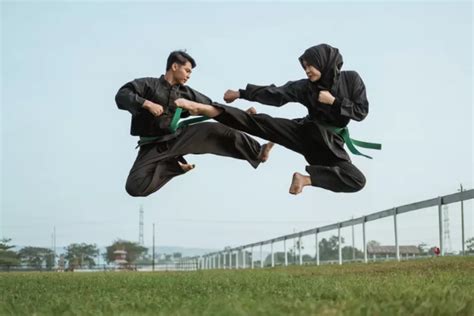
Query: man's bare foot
{"type": "Point", "coordinates": [298, 182]}
{"type": "Point", "coordinates": [265, 151]}
{"type": "Point", "coordinates": [251, 110]}
{"type": "Point", "coordinates": [186, 166]}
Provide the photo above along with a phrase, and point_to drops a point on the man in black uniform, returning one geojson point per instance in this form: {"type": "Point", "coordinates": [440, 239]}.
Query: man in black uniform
{"type": "Point", "coordinates": [160, 158]}
{"type": "Point", "coordinates": [332, 98]}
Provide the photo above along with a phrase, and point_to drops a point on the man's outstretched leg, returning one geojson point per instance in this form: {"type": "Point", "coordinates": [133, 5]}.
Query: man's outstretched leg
{"type": "Point", "coordinates": [195, 108]}
{"type": "Point", "coordinates": [285, 132]}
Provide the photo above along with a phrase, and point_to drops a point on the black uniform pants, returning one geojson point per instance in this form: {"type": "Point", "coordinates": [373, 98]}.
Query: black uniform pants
{"type": "Point", "coordinates": [156, 164]}
{"type": "Point", "coordinates": [325, 169]}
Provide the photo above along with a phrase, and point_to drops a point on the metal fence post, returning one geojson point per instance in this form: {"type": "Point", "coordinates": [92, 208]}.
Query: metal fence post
{"type": "Point", "coordinates": [251, 256]}
{"type": "Point", "coordinates": [286, 253]}
{"type": "Point", "coordinates": [397, 247]}
{"type": "Point", "coordinates": [299, 251]}
{"type": "Point", "coordinates": [462, 222]}
{"type": "Point", "coordinates": [339, 242]}
{"type": "Point", "coordinates": [273, 255]}
{"type": "Point", "coordinates": [237, 259]}
{"type": "Point", "coordinates": [440, 217]}
{"type": "Point", "coordinates": [364, 239]}
{"type": "Point", "coordinates": [317, 247]}
{"type": "Point", "coordinates": [261, 256]}
{"type": "Point", "coordinates": [244, 259]}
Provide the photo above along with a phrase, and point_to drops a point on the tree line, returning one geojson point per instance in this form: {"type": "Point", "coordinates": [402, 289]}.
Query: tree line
{"type": "Point", "coordinates": [83, 255]}
{"type": "Point", "coordinates": [76, 255]}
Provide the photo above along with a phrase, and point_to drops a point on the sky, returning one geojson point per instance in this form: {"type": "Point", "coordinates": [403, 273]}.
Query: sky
{"type": "Point", "coordinates": [66, 149]}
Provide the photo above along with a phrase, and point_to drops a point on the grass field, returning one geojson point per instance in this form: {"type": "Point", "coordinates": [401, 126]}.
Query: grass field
{"type": "Point", "coordinates": [438, 286]}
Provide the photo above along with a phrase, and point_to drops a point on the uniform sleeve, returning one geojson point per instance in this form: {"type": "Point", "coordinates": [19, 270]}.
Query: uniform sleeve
{"type": "Point", "coordinates": [131, 96]}
{"type": "Point", "coordinates": [357, 106]}
{"type": "Point", "coordinates": [199, 97]}
{"type": "Point", "coordinates": [292, 91]}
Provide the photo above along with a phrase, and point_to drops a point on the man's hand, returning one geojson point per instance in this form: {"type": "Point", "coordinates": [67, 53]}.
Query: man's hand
{"type": "Point", "coordinates": [154, 108]}
{"type": "Point", "coordinates": [326, 97]}
{"type": "Point", "coordinates": [231, 95]}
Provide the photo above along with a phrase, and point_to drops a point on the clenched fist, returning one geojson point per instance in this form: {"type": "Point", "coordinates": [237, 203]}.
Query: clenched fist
{"type": "Point", "coordinates": [326, 97]}
{"type": "Point", "coordinates": [231, 95]}
{"type": "Point", "coordinates": [154, 108]}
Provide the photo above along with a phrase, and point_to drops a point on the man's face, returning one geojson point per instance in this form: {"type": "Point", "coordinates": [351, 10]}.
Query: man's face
{"type": "Point", "coordinates": [311, 71]}
{"type": "Point", "coordinates": [182, 73]}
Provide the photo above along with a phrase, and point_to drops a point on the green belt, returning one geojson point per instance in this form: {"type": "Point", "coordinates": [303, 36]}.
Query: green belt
{"type": "Point", "coordinates": [174, 125]}
{"type": "Point", "coordinates": [351, 143]}
{"type": "Point", "coordinates": [342, 131]}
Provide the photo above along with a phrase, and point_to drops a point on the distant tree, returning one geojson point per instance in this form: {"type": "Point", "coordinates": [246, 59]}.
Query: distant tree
{"type": "Point", "coordinates": [177, 255]}
{"type": "Point", "coordinates": [145, 260]}
{"type": "Point", "coordinates": [348, 252]}
{"type": "Point", "coordinates": [37, 256]}
{"type": "Point", "coordinates": [79, 255]}
{"type": "Point", "coordinates": [8, 257]}
{"type": "Point", "coordinates": [308, 258]}
{"type": "Point", "coordinates": [133, 249]}
{"type": "Point", "coordinates": [470, 245]}
{"type": "Point", "coordinates": [423, 248]}
{"type": "Point", "coordinates": [329, 248]}
{"type": "Point", "coordinates": [373, 243]}
{"type": "Point", "coordinates": [278, 257]}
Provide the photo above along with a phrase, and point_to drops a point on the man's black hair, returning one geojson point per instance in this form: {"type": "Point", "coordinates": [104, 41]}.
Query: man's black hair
{"type": "Point", "coordinates": [180, 57]}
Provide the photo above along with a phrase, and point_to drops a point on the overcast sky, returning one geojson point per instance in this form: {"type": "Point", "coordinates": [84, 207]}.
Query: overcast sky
{"type": "Point", "coordinates": [66, 148]}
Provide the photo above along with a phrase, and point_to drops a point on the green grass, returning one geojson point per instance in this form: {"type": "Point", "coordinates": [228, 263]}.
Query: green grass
{"type": "Point", "coordinates": [438, 286]}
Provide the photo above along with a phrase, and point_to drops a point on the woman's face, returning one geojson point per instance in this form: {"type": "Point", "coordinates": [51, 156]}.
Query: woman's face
{"type": "Point", "coordinates": [311, 71]}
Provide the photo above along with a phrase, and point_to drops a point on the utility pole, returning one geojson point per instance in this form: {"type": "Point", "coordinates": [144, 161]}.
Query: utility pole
{"type": "Point", "coordinates": [462, 221]}
{"type": "Point", "coordinates": [447, 234]}
{"type": "Point", "coordinates": [54, 246]}
{"type": "Point", "coordinates": [353, 242]}
{"type": "Point", "coordinates": [153, 252]}
{"type": "Point", "coordinates": [140, 228]}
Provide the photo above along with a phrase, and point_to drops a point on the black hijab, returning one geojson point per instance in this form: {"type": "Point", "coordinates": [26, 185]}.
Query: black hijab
{"type": "Point", "coordinates": [327, 60]}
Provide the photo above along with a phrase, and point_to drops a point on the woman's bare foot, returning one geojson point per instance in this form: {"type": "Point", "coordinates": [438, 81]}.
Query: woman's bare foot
{"type": "Point", "coordinates": [265, 151]}
{"type": "Point", "coordinates": [196, 108]}
{"type": "Point", "coordinates": [186, 166]}
{"type": "Point", "coordinates": [298, 182]}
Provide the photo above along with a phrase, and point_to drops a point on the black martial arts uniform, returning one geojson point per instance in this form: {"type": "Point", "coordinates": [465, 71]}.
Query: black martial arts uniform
{"type": "Point", "coordinates": [157, 162]}
{"type": "Point", "coordinates": [329, 164]}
